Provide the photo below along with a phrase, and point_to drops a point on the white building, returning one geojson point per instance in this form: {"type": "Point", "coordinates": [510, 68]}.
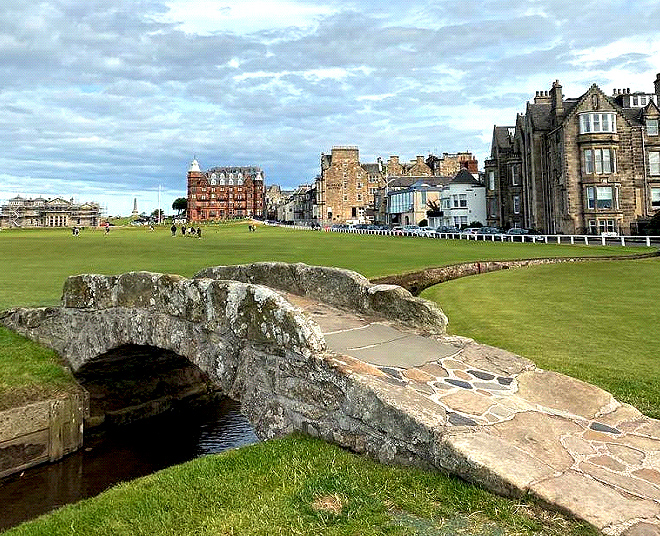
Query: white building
{"type": "Point", "coordinates": [463, 200]}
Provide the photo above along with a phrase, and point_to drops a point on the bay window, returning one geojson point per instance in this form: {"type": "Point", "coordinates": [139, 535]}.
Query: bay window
{"type": "Point", "coordinates": [600, 197]}
{"type": "Point", "coordinates": [655, 197]}
{"type": "Point", "coordinates": [654, 163]}
{"type": "Point", "coordinates": [595, 122]}
{"type": "Point", "coordinates": [599, 161]}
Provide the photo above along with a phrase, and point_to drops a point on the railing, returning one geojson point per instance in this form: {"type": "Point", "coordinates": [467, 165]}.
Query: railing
{"type": "Point", "coordinates": [587, 240]}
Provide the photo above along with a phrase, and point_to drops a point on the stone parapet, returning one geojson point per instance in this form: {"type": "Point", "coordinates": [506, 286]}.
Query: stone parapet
{"type": "Point", "coordinates": [338, 287]}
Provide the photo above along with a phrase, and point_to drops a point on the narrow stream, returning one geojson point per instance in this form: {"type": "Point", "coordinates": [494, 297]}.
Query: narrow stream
{"type": "Point", "coordinates": [122, 454]}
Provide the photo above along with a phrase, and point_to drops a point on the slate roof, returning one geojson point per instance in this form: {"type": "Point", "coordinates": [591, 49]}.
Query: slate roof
{"type": "Point", "coordinates": [407, 181]}
{"type": "Point", "coordinates": [540, 115]}
{"type": "Point", "coordinates": [501, 137]}
{"type": "Point", "coordinates": [371, 168]}
{"type": "Point", "coordinates": [465, 177]}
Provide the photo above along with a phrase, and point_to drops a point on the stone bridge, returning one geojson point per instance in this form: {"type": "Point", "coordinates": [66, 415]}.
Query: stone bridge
{"type": "Point", "coordinates": [369, 367]}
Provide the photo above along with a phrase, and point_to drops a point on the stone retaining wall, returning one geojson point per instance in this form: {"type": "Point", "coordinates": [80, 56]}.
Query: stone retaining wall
{"type": "Point", "coordinates": [416, 282]}
{"type": "Point", "coordinates": [41, 432]}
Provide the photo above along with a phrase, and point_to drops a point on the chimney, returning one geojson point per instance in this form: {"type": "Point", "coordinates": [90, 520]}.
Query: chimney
{"type": "Point", "coordinates": [557, 98]}
{"type": "Point", "coordinates": [657, 85]}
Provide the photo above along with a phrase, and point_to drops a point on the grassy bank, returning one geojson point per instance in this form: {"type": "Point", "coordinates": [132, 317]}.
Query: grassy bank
{"type": "Point", "coordinates": [297, 486]}
{"type": "Point", "coordinates": [595, 321]}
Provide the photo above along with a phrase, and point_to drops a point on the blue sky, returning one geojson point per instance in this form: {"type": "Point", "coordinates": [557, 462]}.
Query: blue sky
{"type": "Point", "coordinates": [106, 101]}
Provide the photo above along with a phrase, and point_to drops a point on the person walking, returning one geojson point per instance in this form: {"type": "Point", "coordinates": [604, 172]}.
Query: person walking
{"type": "Point", "coordinates": [199, 233]}
{"type": "Point", "coordinates": [183, 230]}
{"type": "Point", "coordinates": [173, 229]}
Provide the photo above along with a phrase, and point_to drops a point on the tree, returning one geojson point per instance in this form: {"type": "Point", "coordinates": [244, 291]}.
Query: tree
{"type": "Point", "coordinates": [654, 224]}
{"type": "Point", "coordinates": [180, 204]}
{"type": "Point", "coordinates": [435, 209]}
{"type": "Point", "coordinates": [158, 214]}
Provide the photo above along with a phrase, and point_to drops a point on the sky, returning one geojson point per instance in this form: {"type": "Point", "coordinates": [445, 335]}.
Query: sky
{"type": "Point", "coordinates": [109, 101]}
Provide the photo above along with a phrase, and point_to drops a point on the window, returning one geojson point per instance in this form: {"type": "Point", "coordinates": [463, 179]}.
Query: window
{"type": "Point", "coordinates": [462, 200]}
{"type": "Point", "coordinates": [359, 197]}
{"type": "Point", "coordinates": [597, 122]}
{"type": "Point", "coordinates": [654, 163]}
{"type": "Point", "coordinates": [491, 180]}
{"type": "Point", "coordinates": [652, 127]}
{"type": "Point", "coordinates": [492, 207]}
{"type": "Point", "coordinates": [516, 204]}
{"type": "Point", "coordinates": [515, 175]}
{"type": "Point", "coordinates": [599, 161]}
{"type": "Point", "coordinates": [600, 197]}
{"type": "Point", "coordinates": [606, 226]}
{"type": "Point", "coordinates": [359, 185]}
{"type": "Point", "coordinates": [655, 197]}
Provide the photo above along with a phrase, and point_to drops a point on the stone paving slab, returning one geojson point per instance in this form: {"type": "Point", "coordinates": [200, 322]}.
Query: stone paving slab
{"type": "Point", "coordinates": [381, 344]}
{"type": "Point", "coordinates": [510, 426]}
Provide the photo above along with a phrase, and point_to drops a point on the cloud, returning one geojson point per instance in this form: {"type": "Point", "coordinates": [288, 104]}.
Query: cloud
{"type": "Point", "coordinates": [111, 99]}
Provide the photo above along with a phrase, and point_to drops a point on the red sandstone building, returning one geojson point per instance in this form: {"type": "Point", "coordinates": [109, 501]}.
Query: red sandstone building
{"type": "Point", "coordinates": [223, 193]}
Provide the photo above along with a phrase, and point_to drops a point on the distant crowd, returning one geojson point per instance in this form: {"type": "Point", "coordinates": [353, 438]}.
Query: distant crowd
{"type": "Point", "coordinates": [187, 231]}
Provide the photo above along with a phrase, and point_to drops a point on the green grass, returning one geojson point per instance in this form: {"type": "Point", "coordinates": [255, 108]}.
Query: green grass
{"type": "Point", "coordinates": [36, 262]}
{"type": "Point", "coordinates": [297, 486]}
{"type": "Point", "coordinates": [29, 372]}
{"type": "Point", "coordinates": [599, 322]}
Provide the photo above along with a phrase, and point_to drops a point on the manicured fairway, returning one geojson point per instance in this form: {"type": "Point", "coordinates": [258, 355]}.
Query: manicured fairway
{"type": "Point", "coordinates": [599, 322]}
{"type": "Point", "coordinates": [35, 262]}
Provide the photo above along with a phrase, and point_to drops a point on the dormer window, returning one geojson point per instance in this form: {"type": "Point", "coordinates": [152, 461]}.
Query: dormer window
{"type": "Point", "coordinates": [597, 122]}
{"type": "Point", "coordinates": [652, 127]}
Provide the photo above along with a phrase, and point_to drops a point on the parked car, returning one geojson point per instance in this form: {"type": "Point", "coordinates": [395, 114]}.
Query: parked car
{"type": "Point", "coordinates": [517, 231]}
{"type": "Point", "coordinates": [489, 230]}
{"type": "Point", "coordinates": [425, 231]}
{"type": "Point", "coordinates": [410, 229]}
{"type": "Point", "coordinates": [470, 230]}
{"type": "Point", "coordinates": [447, 229]}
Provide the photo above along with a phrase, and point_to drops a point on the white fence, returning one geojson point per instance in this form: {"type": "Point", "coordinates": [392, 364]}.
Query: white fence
{"type": "Point", "coordinates": [587, 240]}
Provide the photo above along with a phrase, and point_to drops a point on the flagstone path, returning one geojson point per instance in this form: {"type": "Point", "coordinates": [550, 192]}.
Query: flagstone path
{"type": "Point", "coordinates": [511, 426]}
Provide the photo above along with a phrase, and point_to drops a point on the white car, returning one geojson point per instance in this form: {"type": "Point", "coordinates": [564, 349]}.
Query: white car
{"type": "Point", "coordinates": [425, 231]}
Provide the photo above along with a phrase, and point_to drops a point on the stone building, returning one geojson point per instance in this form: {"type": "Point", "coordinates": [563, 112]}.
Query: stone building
{"type": "Point", "coordinates": [589, 164]}
{"type": "Point", "coordinates": [348, 190]}
{"type": "Point", "coordinates": [274, 198]}
{"type": "Point", "coordinates": [449, 164]}
{"type": "Point", "coordinates": [224, 193]}
{"type": "Point", "coordinates": [343, 189]}
{"type": "Point", "coordinates": [40, 212]}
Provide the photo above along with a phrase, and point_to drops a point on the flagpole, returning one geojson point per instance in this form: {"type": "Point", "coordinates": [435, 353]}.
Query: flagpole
{"type": "Point", "coordinates": [159, 210]}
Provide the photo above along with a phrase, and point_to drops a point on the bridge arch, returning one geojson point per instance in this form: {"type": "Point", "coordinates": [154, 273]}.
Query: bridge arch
{"type": "Point", "coordinates": [255, 345]}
